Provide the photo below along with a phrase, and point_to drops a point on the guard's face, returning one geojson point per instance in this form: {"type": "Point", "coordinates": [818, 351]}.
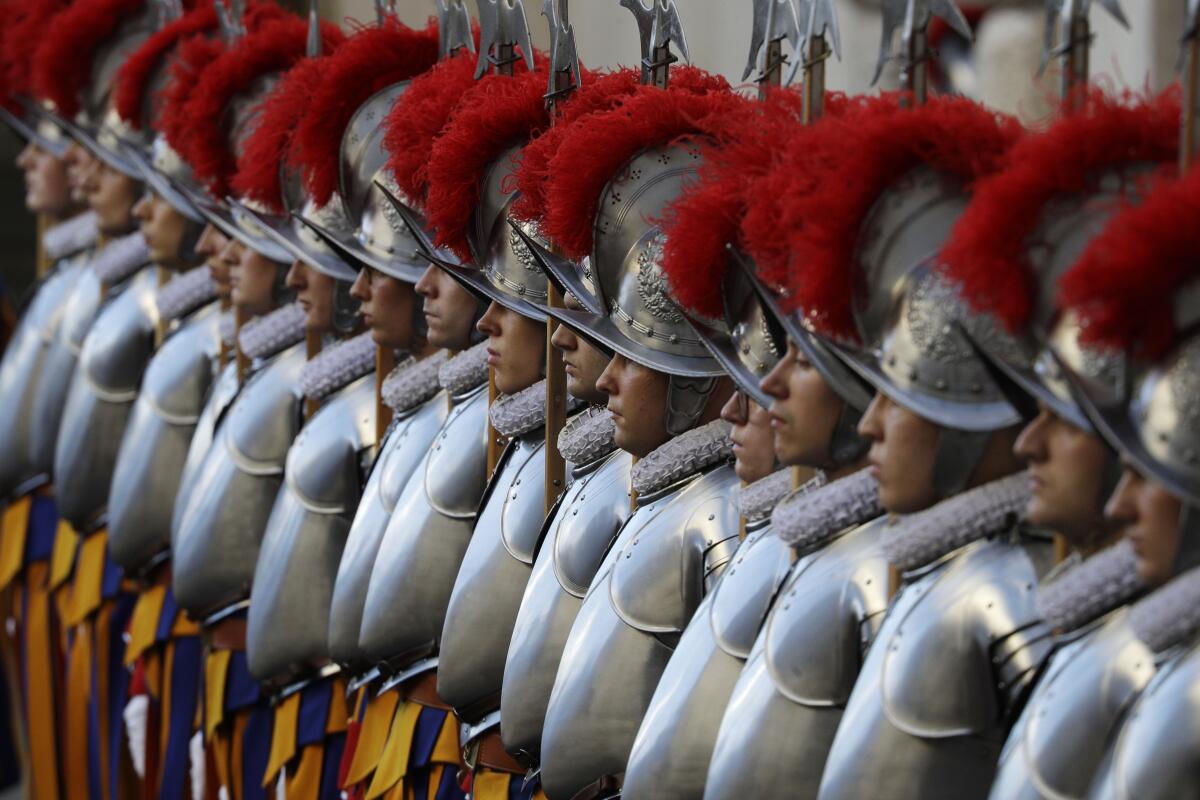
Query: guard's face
{"type": "Point", "coordinates": [637, 399]}
{"type": "Point", "coordinates": [111, 195]}
{"type": "Point", "coordinates": [1148, 515]}
{"type": "Point", "coordinates": [1067, 469]}
{"type": "Point", "coordinates": [251, 277]}
{"type": "Point", "coordinates": [314, 292]}
{"type": "Point", "coordinates": [387, 307]}
{"type": "Point", "coordinates": [583, 362]}
{"type": "Point", "coordinates": [516, 348]}
{"type": "Point", "coordinates": [903, 454]}
{"type": "Point", "coordinates": [46, 188]}
{"type": "Point", "coordinates": [449, 310]}
{"type": "Point", "coordinates": [804, 410]}
{"type": "Point", "coordinates": [80, 164]}
{"type": "Point", "coordinates": [211, 247]}
{"type": "Point", "coordinates": [753, 447]}
{"type": "Point", "coordinates": [163, 228]}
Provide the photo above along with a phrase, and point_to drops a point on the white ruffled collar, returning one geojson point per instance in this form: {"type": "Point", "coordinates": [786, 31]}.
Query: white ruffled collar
{"type": "Point", "coordinates": [1090, 589]}
{"type": "Point", "coordinates": [587, 437]}
{"type": "Point", "coordinates": [813, 514]}
{"type": "Point", "coordinates": [922, 538]}
{"type": "Point", "coordinates": [412, 382]}
{"type": "Point", "coordinates": [682, 457]}
{"type": "Point", "coordinates": [338, 365]}
{"type": "Point", "coordinates": [186, 292]}
{"type": "Point", "coordinates": [272, 333]}
{"type": "Point", "coordinates": [1169, 616]}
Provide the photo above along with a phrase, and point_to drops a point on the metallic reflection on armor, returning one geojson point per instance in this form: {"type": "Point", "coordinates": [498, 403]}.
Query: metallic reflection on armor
{"type": "Point", "coordinates": [567, 560]}
{"type": "Point", "coordinates": [1074, 712]}
{"type": "Point", "coordinates": [671, 753]}
{"type": "Point", "coordinates": [783, 712]}
{"type": "Point", "coordinates": [23, 371]}
{"type": "Point", "coordinates": [425, 541]}
{"type": "Point", "coordinates": [957, 650]}
{"type": "Point", "coordinates": [79, 311]}
{"type": "Point", "coordinates": [288, 624]}
{"type": "Point", "coordinates": [401, 454]}
{"type": "Point", "coordinates": [155, 446]}
{"type": "Point", "coordinates": [491, 580]}
{"type": "Point", "coordinates": [114, 357]}
{"type": "Point", "coordinates": [668, 556]}
{"type": "Point", "coordinates": [216, 542]}
{"type": "Point", "coordinates": [1157, 753]}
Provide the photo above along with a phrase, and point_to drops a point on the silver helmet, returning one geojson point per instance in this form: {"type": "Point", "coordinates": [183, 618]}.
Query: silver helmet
{"type": "Point", "coordinates": [916, 329]}
{"type": "Point", "coordinates": [504, 268]}
{"type": "Point", "coordinates": [1158, 428]}
{"type": "Point", "coordinates": [1068, 226]}
{"type": "Point", "coordinates": [378, 237]}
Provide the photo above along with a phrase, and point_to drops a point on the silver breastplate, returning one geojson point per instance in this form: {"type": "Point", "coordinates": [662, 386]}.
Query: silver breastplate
{"type": "Point", "coordinates": [287, 628]}
{"type": "Point", "coordinates": [155, 446]}
{"type": "Point", "coordinates": [399, 458]}
{"type": "Point", "coordinates": [79, 312]}
{"type": "Point", "coordinates": [224, 391]}
{"type": "Point", "coordinates": [1156, 754]}
{"type": "Point", "coordinates": [111, 364]}
{"type": "Point", "coordinates": [671, 753]}
{"type": "Point", "coordinates": [666, 559]}
{"type": "Point", "coordinates": [425, 541]}
{"type": "Point", "coordinates": [1073, 713]}
{"type": "Point", "coordinates": [786, 705]}
{"type": "Point", "coordinates": [488, 589]}
{"type": "Point", "coordinates": [216, 542]}
{"type": "Point", "coordinates": [22, 371]}
{"type": "Point", "coordinates": [930, 710]}
{"type": "Point", "coordinates": [584, 527]}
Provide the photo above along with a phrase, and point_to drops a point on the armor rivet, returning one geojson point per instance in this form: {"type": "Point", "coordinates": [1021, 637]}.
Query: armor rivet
{"type": "Point", "coordinates": [891, 361]}
{"type": "Point", "coordinates": [575, 513]}
{"type": "Point", "coordinates": [786, 606]}
{"type": "Point", "coordinates": [518, 482]}
{"type": "Point", "coordinates": [391, 249]}
{"type": "Point", "coordinates": [1162, 437]}
{"type": "Point", "coordinates": [912, 375]}
{"type": "Point", "coordinates": [711, 517]}
{"type": "Point", "coordinates": [940, 384]}
{"type": "Point", "coordinates": [629, 555]}
{"type": "Point", "coordinates": [976, 388]}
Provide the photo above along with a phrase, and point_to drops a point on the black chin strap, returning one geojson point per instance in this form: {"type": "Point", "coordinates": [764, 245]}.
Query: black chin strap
{"type": "Point", "coordinates": [958, 455]}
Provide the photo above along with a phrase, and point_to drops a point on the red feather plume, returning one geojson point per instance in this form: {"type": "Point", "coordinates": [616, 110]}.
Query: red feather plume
{"type": "Point", "coordinates": [987, 254]}
{"type": "Point", "coordinates": [273, 140]}
{"type": "Point", "coordinates": [370, 60]}
{"type": "Point", "coordinates": [807, 229]}
{"type": "Point", "coordinates": [591, 154]}
{"type": "Point", "coordinates": [23, 28]}
{"type": "Point", "coordinates": [1124, 285]}
{"type": "Point", "coordinates": [62, 65]}
{"type": "Point", "coordinates": [704, 220]}
{"type": "Point", "coordinates": [419, 116]}
{"type": "Point", "coordinates": [274, 48]}
{"type": "Point", "coordinates": [140, 69]}
{"type": "Point", "coordinates": [602, 93]}
{"type": "Point", "coordinates": [495, 114]}
{"type": "Point", "coordinates": [186, 68]}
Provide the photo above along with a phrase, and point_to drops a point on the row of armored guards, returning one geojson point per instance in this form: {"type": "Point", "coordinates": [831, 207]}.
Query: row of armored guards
{"type": "Point", "coordinates": [881, 470]}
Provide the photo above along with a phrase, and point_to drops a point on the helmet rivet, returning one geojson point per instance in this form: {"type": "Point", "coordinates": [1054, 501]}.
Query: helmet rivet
{"type": "Point", "coordinates": [940, 384]}
{"type": "Point", "coordinates": [650, 332]}
{"type": "Point", "coordinates": [390, 249]}
{"type": "Point", "coordinates": [976, 388]}
{"type": "Point", "coordinates": [891, 361]}
{"type": "Point", "coordinates": [912, 375]}
{"type": "Point", "coordinates": [520, 290]}
{"type": "Point", "coordinates": [1162, 437]}
{"type": "Point", "coordinates": [674, 338]}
